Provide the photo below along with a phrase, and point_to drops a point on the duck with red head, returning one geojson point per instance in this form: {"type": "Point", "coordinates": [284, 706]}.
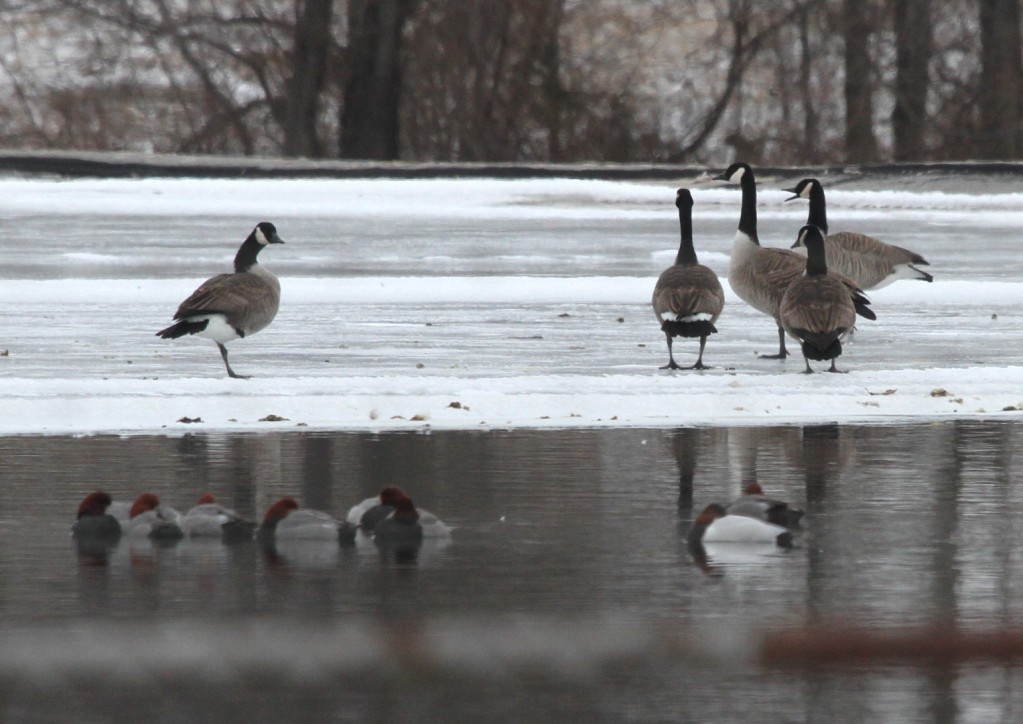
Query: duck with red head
{"type": "Point", "coordinates": [149, 518]}
{"type": "Point", "coordinates": [754, 504]}
{"type": "Point", "coordinates": [286, 520]}
{"type": "Point", "coordinates": [401, 526]}
{"type": "Point", "coordinates": [209, 519]}
{"type": "Point", "coordinates": [371, 511]}
{"type": "Point", "coordinates": [93, 521]}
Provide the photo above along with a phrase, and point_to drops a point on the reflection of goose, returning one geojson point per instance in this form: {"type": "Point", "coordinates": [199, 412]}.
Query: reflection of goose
{"type": "Point", "coordinates": [715, 525]}
{"type": "Point", "coordinates": [753, 504]}
{"type": "Point", "coordinates": [210, 519]}
{"type": "Point", "coordinates": [760, 276]}
{"type": "Point", "coordinates": [869, 262]}
{"type": "Point", "coordinates": [687, 297]}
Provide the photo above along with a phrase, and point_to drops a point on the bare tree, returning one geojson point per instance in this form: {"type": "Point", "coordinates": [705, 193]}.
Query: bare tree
{"type": "Point", "coordinates": [369, 119]}
{"type": "Point", "coordinates": [1001, 81]}
{"type": "Point", "coordinates": [913, 38]}
{"type": "Point", "coordinates": [860, 141]}
{"type": "Point", "coordinates": [311, 51]}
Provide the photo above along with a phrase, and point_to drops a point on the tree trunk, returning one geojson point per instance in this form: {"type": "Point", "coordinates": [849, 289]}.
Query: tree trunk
{"type": "Point", "coordinates": [309, 63]}
{"type": "Point", "coordinates": [369, 118]}
{"type": "Point", "coordinates": [860, 143]}
{"type": "Point", "coordinates": [554, 91]}
{"type": "Point", "coordinates": [1001, 79]}
{"type": "Point", "coordinates": [811, 119]}
{"type": "Point", "coordinates": [913, 38]}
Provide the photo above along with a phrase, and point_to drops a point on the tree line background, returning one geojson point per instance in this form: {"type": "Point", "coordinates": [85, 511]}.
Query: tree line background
{"type": "Point", "coordinates": [684, 81]}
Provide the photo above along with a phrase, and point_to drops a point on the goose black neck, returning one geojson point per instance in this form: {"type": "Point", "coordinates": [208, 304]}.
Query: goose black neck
{"type": "Point", "coordinates": [245, 259]}
{"type": "Point", "coordinates": [818, 215]}
{"type": "Point", "coordinates": [816, 264]}
{"type": "Point", "coordinates": [686, 254]}
{"type": "Point", "coordinates": [748, 216]}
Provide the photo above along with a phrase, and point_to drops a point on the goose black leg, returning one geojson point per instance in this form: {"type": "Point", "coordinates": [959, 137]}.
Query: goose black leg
{"type": "Point", "coordinates": [230, 372]}
{"type": "Point", "coordinates": [835, 369]}
{"type": "Point", "coordinates": [699, 360]}
{"type": "Point", "coordinates": [782, 352]}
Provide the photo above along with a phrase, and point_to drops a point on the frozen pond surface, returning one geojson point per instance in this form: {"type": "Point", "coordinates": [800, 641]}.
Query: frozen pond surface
{"type": "Point", "coordinates": [524, 302]}
{"type": "Point", "coordinates": [567, 566]}
{"type": "Point", "coordinates": [488, 345]}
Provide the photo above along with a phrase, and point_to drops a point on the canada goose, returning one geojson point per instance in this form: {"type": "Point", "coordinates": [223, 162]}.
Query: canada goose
{"type": "Point", "coordinates": [230, 306]}
{"type": "Point", "coordinates": [816, 309]}
{"type": "Point", "coordinates": [760, 276]}
{"type": "Point", "coordinates": [869, 262]}
{"type": "Point", "coordinates": [687, 297]}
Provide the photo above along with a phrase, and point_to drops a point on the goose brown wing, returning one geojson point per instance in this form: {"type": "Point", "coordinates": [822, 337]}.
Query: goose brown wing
{"type": "Point", "coordinates": [860, 301]}
{"type": "Point", "coordinates": [688, 290]}
{"type": "Point", "coordinates": [864, 244]}
{"type": "Point", "coordinates": [232, 295]}
{"type": "Point", "coordinates": [775, 269]}
{"type": "Point", "coordinates": [819, 306]}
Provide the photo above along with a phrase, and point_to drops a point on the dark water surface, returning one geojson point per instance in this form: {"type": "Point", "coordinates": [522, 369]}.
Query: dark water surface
{"type": "Point", "coordinates": [555, 532]}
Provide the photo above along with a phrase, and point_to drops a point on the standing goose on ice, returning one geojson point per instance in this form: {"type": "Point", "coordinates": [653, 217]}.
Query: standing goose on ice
{"type": "Point", "coordinates": [230, 306]}
{"type": "Point", "coordinates": [816, 309]}
{"type": "Point", "coordinates": [760, 276]}
{"type": "Point", "coordinates": [687, 297]}
{"type": "Point", "coordinates": [869, 262]}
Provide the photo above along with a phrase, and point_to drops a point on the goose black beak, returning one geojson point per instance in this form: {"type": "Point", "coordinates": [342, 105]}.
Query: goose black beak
{"type": "Point", "coordinates": [790, 191]}
{"type": "Point", "coordinates": [723, 176]}
{"type": "Point", "coordinates": [275, 239]}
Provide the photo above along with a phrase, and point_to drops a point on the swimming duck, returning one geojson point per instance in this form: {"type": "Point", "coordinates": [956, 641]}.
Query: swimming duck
{"type": "Point", "coordinates": [715, 525]}
{"type": "Point", "coordinates": [148, 517]}
{"type": "Point", "coordinates": [401, 528]}
{"type": "Point", "coordinates": [368, 513]}
{"type": "Point", "coordinates": [93, 521]}
{"type": "Point", "coordinates": [371, 511]}
{"type": "Point", "coordinates": [286, 520]}
{"type": "Point", "coordinates": [210, 519]}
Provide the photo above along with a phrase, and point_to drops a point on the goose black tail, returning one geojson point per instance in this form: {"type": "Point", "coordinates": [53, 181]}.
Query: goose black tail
{"type": "Point", "coordinates": [182, 328]}
{"type": "Point", "coordinates": [700, 328]}
{"type": "Point", "coordinates": [924, 276]}
{"type": "Point", "coordinates": [861, 303]}
{"type": "Point", "coordinates": [821, 347]}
